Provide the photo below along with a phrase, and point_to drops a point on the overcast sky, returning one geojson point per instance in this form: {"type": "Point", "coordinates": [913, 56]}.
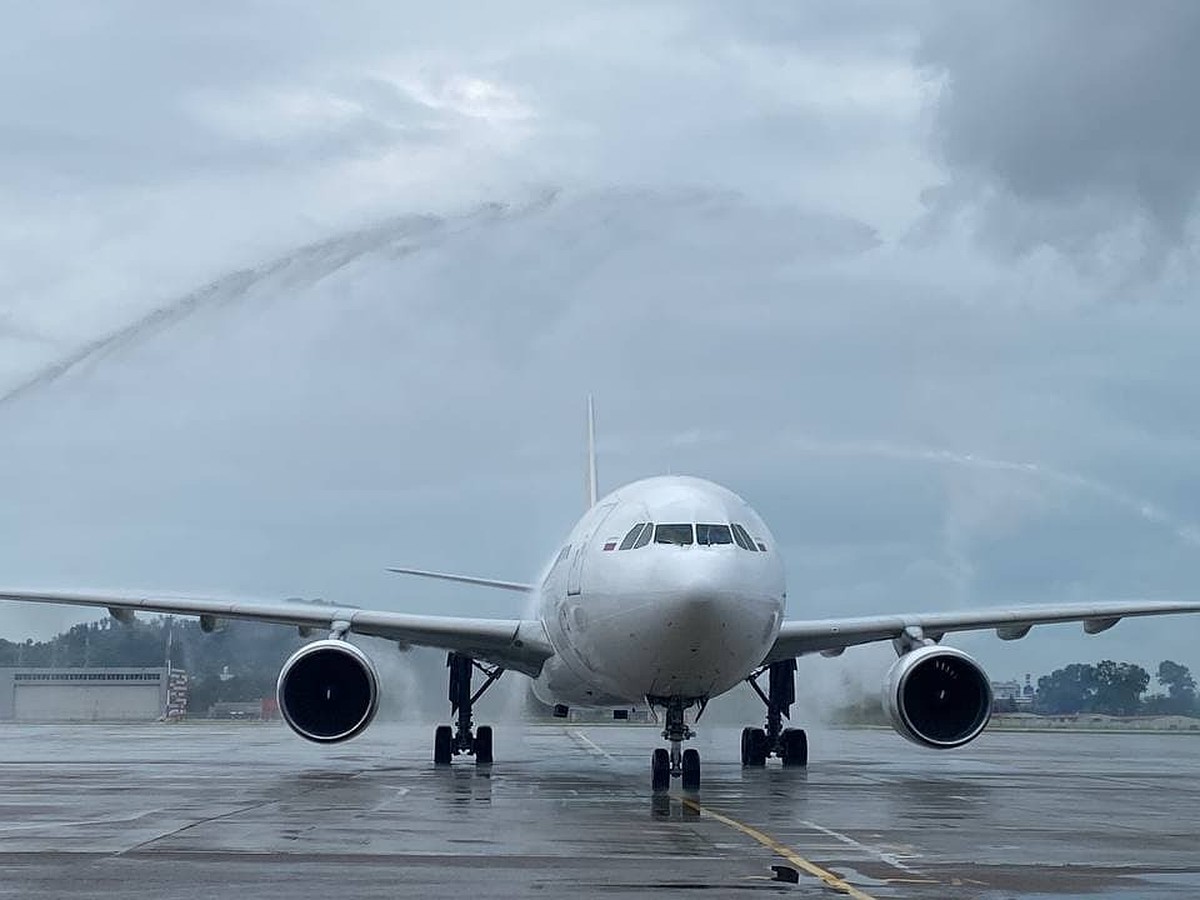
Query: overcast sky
{"type": "Point", "coordinates": [289, 295]}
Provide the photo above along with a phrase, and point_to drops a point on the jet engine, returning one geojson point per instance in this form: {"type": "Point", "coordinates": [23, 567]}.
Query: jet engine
{"type": "Point", "coordinates": [938, 697]}
{"type": "Point", "coordinates": [328, 691]}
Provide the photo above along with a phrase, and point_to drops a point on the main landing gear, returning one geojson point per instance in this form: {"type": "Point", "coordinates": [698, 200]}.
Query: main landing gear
{"type": "Point", "coordinates": [449, 742]}
{"type": "Point", "coordinates": [789, 744]}
{"type": "Point", "coordinates": [676, 763]}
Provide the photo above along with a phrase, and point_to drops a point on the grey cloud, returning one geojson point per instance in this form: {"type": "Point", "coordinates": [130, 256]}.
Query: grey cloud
{"type": "Point", "coordinates": [1072, 125]}
{"type": "Point", "coordinates": [177, 145]}
{"type": "Point", "coordinates": [114, 94]}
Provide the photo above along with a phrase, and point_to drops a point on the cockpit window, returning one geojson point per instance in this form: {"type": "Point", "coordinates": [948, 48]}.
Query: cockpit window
{"type": "Point", "coordinates": [644, 537]}
{"type": "Point", "coordinates": [713, 534]}
{"type": "Point", "coordinates": [634, 532]}
{"type": "Point", "coordinates": [673, 534]}
{"type": "Point", "coordinates": [743, 538]}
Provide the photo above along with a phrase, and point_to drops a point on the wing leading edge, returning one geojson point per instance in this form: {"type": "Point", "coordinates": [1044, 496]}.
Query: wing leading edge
{"type": "Point", "coordinates": [831, 636]}
{"type": "Point", "coordinates": [518, 644]}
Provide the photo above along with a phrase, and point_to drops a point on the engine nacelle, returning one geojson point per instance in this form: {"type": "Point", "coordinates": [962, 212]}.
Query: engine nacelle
{"type": "Point", "coordinates": [938, 697]}
{"type": "Point", "coordinates": [328, 691]}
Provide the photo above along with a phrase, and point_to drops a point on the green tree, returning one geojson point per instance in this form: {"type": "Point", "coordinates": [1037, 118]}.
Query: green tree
{"type": "Point", "coordinates": [1068, 690]}
{"type": "Point", "coordinates": [1119, 688]}
{"type": "Point", "coordinates": [1181, 688]}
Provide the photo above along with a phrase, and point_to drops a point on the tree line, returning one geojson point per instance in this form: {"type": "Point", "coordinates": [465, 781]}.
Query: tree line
{"type": "Point", "coordinates": [1117, 689]}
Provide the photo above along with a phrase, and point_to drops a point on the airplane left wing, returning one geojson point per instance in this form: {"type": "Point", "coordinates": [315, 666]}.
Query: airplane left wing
{"type": "Point", "coordinates": [832, 636]}
{"type": "Point", "coordinates": [517, 644]}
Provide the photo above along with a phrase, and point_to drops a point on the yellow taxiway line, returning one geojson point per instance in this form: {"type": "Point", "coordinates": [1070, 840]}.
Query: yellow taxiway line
{"type": "Point", "coordinates": [786, 852]}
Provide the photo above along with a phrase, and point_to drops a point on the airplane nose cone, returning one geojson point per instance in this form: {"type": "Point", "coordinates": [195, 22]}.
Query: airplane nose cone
{"type": "Point", "coordinates": [705, 631]}
{"type": "Point", "coordinates": [684, 634]}
{"type": "Point", "coordinates": [699, 612]}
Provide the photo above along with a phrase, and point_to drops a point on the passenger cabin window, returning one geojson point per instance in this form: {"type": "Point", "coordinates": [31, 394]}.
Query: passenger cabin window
{"type": "Point", "coordinates": [681, 535]}
{"type": "Point", "coordinates": [644, 537]}
{"type": "Point", "coordinates": [634, 533]}
{"type": "Point", "coordinates": [713, 534]}
{"type": "Point", "coordinates": [742, 538]}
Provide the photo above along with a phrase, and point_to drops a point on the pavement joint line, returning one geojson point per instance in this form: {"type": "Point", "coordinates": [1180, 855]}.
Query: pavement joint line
{"type": "Point", "coordinates": [187, 826]}
{"type": "Point", "coordinates": [779, 849]}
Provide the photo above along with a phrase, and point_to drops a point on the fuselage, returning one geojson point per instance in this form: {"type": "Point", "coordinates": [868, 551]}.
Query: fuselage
{"type": "Point", "coordinates": [669, 587]}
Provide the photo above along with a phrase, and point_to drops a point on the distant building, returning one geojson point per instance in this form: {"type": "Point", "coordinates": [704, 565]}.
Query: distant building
{"type": "Point", "coordinates": [92, 695]}
{"type": "Point", "coordinates": [1028, 693]}
{"type": "Point", "coordinates": [1013, 693]}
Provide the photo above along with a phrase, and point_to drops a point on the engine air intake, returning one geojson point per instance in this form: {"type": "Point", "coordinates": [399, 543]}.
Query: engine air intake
{"type": "Point", "coordinates": [938, 697]}
{"type": "Point", "coordinates": [328, 691]}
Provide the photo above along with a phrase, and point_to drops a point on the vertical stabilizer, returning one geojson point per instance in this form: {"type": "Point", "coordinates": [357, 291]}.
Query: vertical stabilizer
{"type": "Point", "coordinates": [591, 474]}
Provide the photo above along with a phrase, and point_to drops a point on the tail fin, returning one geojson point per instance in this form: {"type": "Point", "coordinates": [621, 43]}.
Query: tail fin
{"type": "Point", "coordinates": [591, 474]}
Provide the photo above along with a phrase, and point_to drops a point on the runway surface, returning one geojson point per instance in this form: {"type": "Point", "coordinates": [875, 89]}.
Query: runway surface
{"type": "Point", "coordinates": [248, 810]}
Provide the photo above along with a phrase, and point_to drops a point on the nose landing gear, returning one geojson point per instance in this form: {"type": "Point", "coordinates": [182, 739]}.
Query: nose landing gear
{"type": "Point", "coordinates": [449, 742]}
{"type": "Point", "coordinates": [789, 744]}
{"type": "Point", "coordinates": [677, 763]}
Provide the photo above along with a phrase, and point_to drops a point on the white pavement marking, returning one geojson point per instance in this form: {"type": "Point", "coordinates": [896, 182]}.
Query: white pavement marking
{"type": "Point", "coordinates": [888, 858]}
{"type": "Point", "coordinates": [587, 743]}
{"type": "Point", "coordinates": [396, 794]}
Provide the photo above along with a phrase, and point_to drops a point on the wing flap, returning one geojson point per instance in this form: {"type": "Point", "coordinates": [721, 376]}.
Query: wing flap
{"type": "Point", "coordinates": [518, 644]}
{"type": "Point", "coordinates": [827, 635]}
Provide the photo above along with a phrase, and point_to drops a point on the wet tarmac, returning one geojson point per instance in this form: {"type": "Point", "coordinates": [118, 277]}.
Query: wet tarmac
{"type": "Point", "coordinates": [247, 810]}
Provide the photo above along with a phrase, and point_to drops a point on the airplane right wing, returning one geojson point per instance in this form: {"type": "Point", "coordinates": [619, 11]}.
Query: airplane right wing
{"type": "Point", "coordinates": [832, 636]}
{"type": "Point", "coordinates": [517, 644]}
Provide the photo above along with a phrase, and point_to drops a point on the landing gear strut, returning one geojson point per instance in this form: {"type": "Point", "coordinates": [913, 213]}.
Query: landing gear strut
{"type": "Point", "coordinates": [449, 742]}
{"type": "Point", "coordinates": [677, 763]}
{"type": "Point", "coordinates": [789, 744]}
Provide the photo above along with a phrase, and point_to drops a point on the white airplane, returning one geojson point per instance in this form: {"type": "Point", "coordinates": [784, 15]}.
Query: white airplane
{"type": "Point", "coordinates": [668, 592]}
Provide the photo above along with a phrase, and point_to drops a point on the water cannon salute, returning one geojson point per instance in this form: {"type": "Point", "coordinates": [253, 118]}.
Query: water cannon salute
{"type": "Point", "coordinates": [889, 313]}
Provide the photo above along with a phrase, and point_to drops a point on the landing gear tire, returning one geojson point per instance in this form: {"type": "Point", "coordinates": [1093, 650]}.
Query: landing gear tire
{"type": "Point", "coordinates": [794, 750]}
{"type": "Point", "coordinates": [443, 745]}
{"type": "Point", "coordinates": [660, 771]}
{"type": "Point", "coordinates": [789, 744]}
{"type": "Point", "coordinates": [754, 748]}
{"type": "Point", "coordinates": [483, 745]}
{"type": "Point", "coordinates": [691, 770]}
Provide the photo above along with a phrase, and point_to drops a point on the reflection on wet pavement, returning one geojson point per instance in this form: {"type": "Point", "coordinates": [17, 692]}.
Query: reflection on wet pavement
{"type": "Point", "coordinates": [199, 810]}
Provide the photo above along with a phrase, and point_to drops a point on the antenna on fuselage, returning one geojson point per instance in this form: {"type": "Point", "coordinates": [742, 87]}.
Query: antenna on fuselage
{"type": "Point", "coordinates": [591, 474]}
